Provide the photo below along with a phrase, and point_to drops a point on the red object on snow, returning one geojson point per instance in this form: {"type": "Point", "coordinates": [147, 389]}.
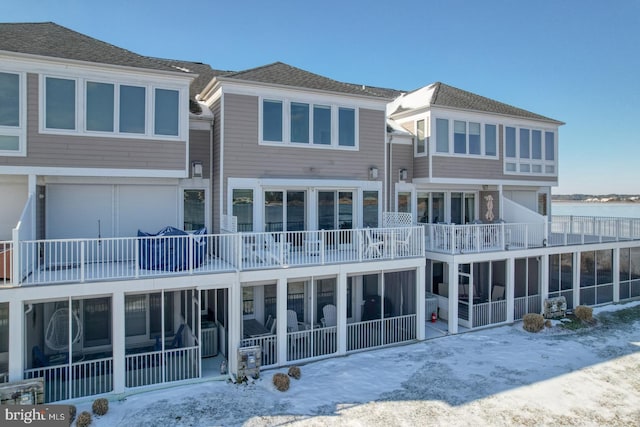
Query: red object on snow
{"type": "Point", "coordinates": [434, 317]}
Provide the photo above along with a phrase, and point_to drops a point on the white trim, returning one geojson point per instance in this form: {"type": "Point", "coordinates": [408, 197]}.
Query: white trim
{"type": "Point", "coordinates": [530, 162]}
{"type": "Point", "coordinates": [467, 181]}
{"type": "Point", "coordinates": [267, 90]}
{"type": "Point", "coordinates": [21, 130]}
{"type": "Point", "coordinates": [117, 81]}
{"type": "Point", "coordinates": [334, 107]}
{"type": "Point", "coordinates": [134, 173]}
{"type": "Point", "coordinates": [290, 183]}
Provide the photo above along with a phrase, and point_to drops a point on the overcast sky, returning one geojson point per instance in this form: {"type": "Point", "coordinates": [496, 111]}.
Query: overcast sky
{"type": "Point", "coordinates": [576, 61]}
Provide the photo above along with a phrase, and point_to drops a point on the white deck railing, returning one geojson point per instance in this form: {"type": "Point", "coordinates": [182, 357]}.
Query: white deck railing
{"type": "Point", "coordinates": [376, 333]}
{"type": "Point", "coordinates": [6, 262]}
{"type": "Point", "coordinates": [312, 343]}
{"type": "Point", "coordinates": [80, 379]}
{"type": "Point", "coordinates": [82, 260]}
{"type": "Point", "coordinates": [488, 313]}
{"type": "Point", "coordinates": [470, 238]}
{"type": "Point", "coordinates": [574, 230]}
{"type": "Point", "coordinates": [524, 305]}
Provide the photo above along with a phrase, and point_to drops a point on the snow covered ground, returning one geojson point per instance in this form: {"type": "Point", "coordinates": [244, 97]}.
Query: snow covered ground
{"type": "Point", "coordinates": [499, 376]}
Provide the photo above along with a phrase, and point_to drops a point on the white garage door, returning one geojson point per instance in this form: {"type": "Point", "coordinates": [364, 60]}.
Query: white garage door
{"type": "Point", "coordinates": [83, 211]}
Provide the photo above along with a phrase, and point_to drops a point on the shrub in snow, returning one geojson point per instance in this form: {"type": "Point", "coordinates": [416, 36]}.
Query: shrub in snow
{"type": "Point", "coordinates": [294, 372]}
{"type": "Point", "coordinates": [281, 381]}
{"type": "Point", "coordinates": [72, 413]}
{"type": "Point", "coordinates": [584, 313]}
{"type": "Point", "coordinates": [100, 406]}
{"type": "Point", "coordinates": [84, 419]}
{"type": "Point", "coordinates": [532, 322]}
{"type": "Point", "coordinates": [548, 324]}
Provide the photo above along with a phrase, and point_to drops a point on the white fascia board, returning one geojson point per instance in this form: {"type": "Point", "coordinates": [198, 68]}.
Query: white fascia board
{"type": "Point", "coordinates": [94, 180]}
{"type": "Point", "coordinates": [467, 181]}
{"type": "Point", "coordinates": [55, 171]}
{"type": "Point", "coordinates": [291, 183]}
{"type": "Point", "coordinates": [266, 90]}
{"type": "Point", "coordinates": [487, 117]}
{"type": "Point", "coordinates": [45, 64]}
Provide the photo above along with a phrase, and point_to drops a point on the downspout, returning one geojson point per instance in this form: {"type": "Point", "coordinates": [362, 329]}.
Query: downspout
{"type": "Point", "coordinates": [221, 159]}
{"type": "Point", "coordinates": [211, 219]}
{"type": "Point", "coordinates": [390, 174]}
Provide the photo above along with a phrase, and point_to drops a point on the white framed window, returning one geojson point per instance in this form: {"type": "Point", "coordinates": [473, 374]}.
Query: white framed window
{"type": "Point", "coordinates": [74, 105]}
{"type": "Point", "coordinates": [12, 113]}
{"type": "Point", "coordinates": [421, 137]}
{"type": "Point", "coordinates": [529, 151]}
{"type": "Point", "coordinates": [470, 138]}
{"type": "Point", "coordinates": [308, 124]}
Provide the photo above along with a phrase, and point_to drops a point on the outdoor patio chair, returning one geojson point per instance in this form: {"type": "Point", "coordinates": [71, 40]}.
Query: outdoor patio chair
{"type": "Point", "coordinates": [176, 342]}
{"type": "Point", "coordinates": [373, 246]}
{"type": "Point", "coordinates": [330, 316]}
{"type": "Point", "coordinates": [292, 322]}
{"type": "Point", "coordinates": [403, 241]}
{"type": "Point", "coordinates": [497, 292]}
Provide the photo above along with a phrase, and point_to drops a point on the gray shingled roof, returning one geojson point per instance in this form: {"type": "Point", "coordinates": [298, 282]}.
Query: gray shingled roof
{"type": "Point", "coordinates": [204, 71]}
{"type": "Point", "coordinates": [53, 40]}
{"type": "Point", "coordinates": [449, 96]}
{"type": "Point", "coordinates": [279, 73]}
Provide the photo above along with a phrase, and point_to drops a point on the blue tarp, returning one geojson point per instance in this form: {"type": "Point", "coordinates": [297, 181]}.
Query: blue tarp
{"type": "Point", "coordinates": [171, 252]}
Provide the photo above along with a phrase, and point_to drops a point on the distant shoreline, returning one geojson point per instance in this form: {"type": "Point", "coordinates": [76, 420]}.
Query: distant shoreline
{"type": "Point", "coordinates": [602, 202]}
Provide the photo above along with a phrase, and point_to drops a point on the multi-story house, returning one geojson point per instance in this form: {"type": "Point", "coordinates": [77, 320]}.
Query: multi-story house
{"type": "Point", "coordinates": [310, 218]}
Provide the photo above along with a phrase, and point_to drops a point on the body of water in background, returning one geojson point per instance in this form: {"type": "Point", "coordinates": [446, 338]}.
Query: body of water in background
{"type": "Point", "coordinates": [622, 210]}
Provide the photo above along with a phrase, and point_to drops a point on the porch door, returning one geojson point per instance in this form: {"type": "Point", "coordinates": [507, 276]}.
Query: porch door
{"type": "Point", "coordinates": [284, 210]}
{"type": "Point", "coordinates": [335, 210]}
{"type": "Point", "coordinates": [437, 208]}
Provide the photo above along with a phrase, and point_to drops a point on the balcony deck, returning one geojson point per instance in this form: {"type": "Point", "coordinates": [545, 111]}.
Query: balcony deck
{"type": "Point", "coordinates": [561, 231]}
{"type": "Point", "coordinates": [92, 260]}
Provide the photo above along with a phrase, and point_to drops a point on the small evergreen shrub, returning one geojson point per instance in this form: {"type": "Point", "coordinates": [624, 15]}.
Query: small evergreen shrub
{"type": "Point", "coordinates": [84, 419]}
{"type": "Point", "coordinates": [532, 322]}
{"type": "Point", "coordinates": [294, 372]}
{"type": "Point", "coordinates": [281, 381]}
{"type": "Point", "coordinates": [584, 313]}
{"type": "Point", "coordinates": [100, 406]}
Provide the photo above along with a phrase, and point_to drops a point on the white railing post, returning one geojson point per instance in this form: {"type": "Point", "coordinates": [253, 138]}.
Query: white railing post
{"type": "Point", "coordinates": [191, 242]}
{"type": "Point", "coordinates": [16, 258]}
{"type": "Point", "coordinates": [322, 246]}
{"type": "Point", "coordinates": [82, 271]}
{"type": "Point", "coordinates": [136, 257]}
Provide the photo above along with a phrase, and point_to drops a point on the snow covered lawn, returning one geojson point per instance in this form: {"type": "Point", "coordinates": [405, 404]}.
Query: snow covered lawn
{"type": "Point", "coordinates": [499, 376]}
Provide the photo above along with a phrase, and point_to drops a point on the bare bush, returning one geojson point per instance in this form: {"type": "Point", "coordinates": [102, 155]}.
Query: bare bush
{"type": "Point", "coordinates": [294, 372]}
{"type": "Point", "coordinates": [584, 313]}
{"type": "Point", "coordinates": [84, 419]}
{"type": "Point", "coordinates": [100, 406]}
{"type": "Point", "coordinates": [281, 381]}
{"type": "Point", "coordinates": [532, 322]}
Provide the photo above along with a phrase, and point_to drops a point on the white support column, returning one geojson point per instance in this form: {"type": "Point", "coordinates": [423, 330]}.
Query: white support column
{"type": "Point", "coordinates": [341, 308]}
{"type": "Point", "coordinates": [16, 345]}
{"type": "Point", "coordinates": [616, 275]}
{"type": "Point", "coordinates": [281, 324]}
{"type": "Point", "coordinates": [119, 371]}
{"type": "Point", "coordinates": [544, 279]}
{"type": "Point", "coordinates": [420, 302]}
{"type": "Point", "coordinates": [576, 279]}
{"type": "Point", "coordinates": [510, 288]}
{"type": "Point", "coordinates": [233, 328]}
{"type": "Point", "coordinates": [453, 298]}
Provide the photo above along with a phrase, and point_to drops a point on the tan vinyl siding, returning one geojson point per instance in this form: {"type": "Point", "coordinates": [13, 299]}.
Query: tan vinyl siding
{"type": "Point", "coordinates": [244, 157]}
{"type": "Point", "coordinates": [199, 150]}
{"type": "Point", "coordinates": [421, 167]}
{"type": "Point", "coordinates": [83, 151]}
{"type": "Point", "coordinates": [490, 169]}
{"type": "Point", "coordinates": [401, 158]}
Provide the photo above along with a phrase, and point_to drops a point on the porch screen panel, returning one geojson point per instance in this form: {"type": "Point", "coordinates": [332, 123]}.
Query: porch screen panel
{"type": "Point", "coordinates": [135, 315]}
{"type": "Point", "coordinates": [97, 321]}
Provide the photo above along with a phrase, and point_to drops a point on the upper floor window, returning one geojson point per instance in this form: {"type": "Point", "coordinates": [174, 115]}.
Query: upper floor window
{"type": "Point", "coordinates": [310, 124]}
{"type": "Point", "coordinates": [420, 137]}
{"type": "Point", "coordinates": [468, 138]}
{"type": "Point", "coordinates": [12, 120]}
{"type": "Point", "coordinates": [526, 153]}
{"type": "Point", "coordinates": [110, 108]}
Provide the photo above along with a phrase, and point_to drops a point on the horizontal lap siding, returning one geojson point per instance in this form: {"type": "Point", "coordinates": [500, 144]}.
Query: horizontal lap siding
{"type": "Point", "coordinates": [245, 158]}
{"type": "Point", "coordinates": [82, 151]}
{"type": "Point", "coordinates": [199, 141]}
